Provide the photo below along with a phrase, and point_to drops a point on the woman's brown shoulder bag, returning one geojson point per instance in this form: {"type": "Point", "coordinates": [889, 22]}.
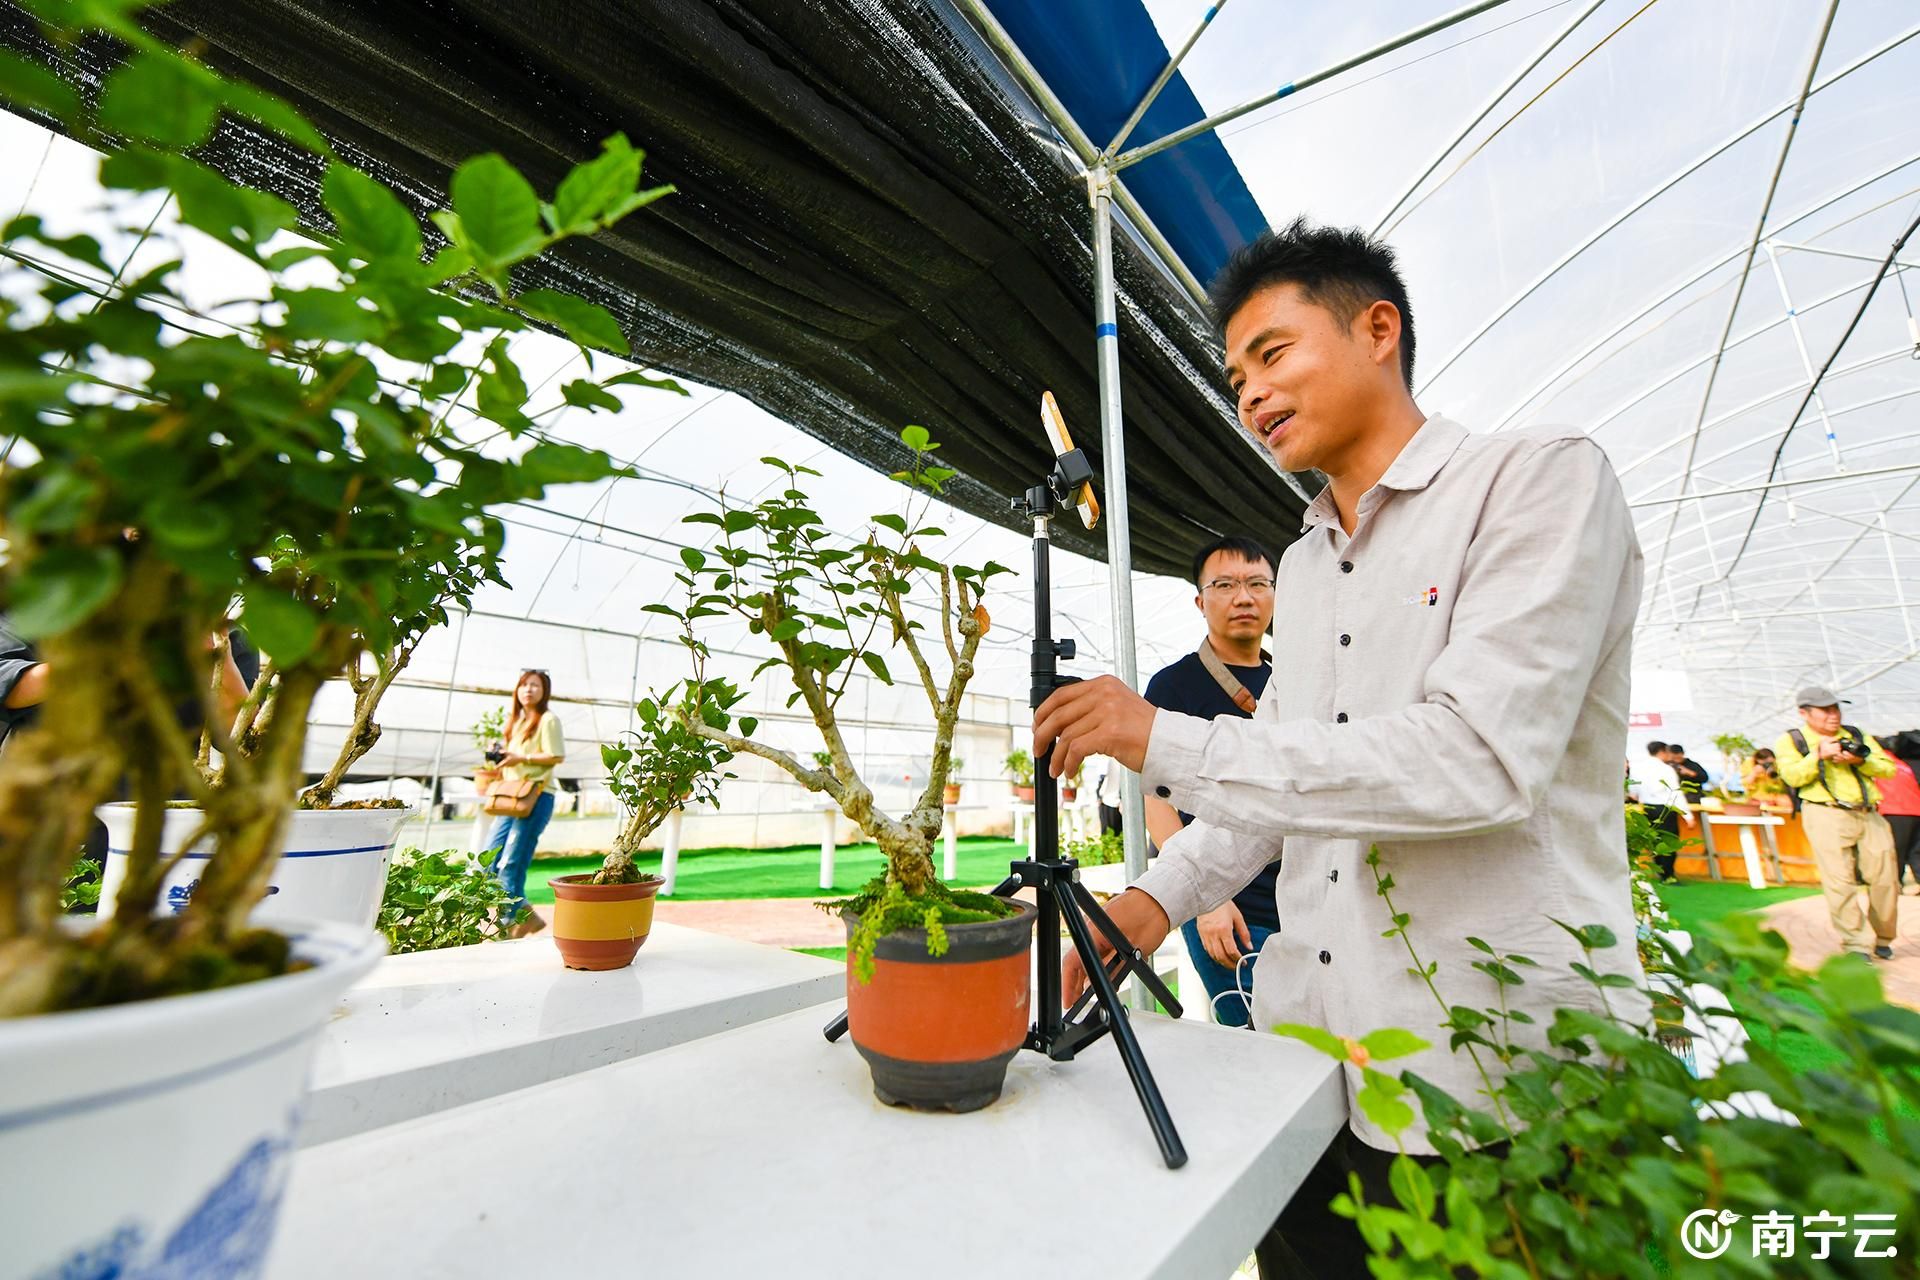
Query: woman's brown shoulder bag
{"type": "Point", "coordinates": [512, 797]}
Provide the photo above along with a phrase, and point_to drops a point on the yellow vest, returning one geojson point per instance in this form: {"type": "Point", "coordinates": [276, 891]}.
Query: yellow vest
{"type": "Point", "coordinates": [1803, 772]}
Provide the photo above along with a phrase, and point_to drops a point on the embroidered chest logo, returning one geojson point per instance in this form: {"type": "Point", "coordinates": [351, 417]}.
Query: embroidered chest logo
{"type": "Point", "coordinates": [1429, 598]}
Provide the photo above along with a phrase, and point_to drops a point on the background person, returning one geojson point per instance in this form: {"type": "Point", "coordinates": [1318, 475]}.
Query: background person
{"type": "Point", "coordinates": [534, 746]}
{"type": "Point", "coordinates": [1761, 777]}
{"type": "Point", "coordinates": [1233, 578]}
{"type": "Point", "coordinates": [1656, 786]}
{"type": "Point", "coordinates": [1693, 775]}
{"type": "Point", "coordinates": [1900, 805]}
{"type": "Point", "coordinates": [1832, 766]}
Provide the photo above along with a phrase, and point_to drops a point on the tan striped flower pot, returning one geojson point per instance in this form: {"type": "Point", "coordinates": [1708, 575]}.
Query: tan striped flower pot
{"type": "Point", "coordinates": [601, 926]}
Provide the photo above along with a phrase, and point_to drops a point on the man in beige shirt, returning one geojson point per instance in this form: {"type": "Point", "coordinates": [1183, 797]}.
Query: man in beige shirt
{"type": "Point", "coordinates": [1450, 686]}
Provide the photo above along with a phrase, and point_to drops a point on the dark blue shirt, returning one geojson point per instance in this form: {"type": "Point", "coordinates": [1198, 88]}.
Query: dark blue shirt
{"type": "Point", "coordinates": [1186, 687]}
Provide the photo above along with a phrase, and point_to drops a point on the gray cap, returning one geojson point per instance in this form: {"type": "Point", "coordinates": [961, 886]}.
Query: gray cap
{"type": "Point", "coordinates": [1818, 695]}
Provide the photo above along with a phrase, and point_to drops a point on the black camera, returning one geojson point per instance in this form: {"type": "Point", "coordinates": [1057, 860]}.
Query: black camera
{"type": "Point", "coordinates": [495, 755]}
{"type": "Point", "coordinates": [1851, 744]}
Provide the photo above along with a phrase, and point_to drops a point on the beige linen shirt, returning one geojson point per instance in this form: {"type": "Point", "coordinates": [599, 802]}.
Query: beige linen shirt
{"type": "Point", "coordinates": [1450, 684]}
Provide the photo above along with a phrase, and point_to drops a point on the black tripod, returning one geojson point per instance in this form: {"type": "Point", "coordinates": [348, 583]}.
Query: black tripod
{"type": "Point", "coordinates": [1058, 1033]}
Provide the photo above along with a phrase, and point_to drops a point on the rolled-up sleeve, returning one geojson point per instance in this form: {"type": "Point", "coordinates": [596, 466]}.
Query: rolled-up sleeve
{"type": "Point", "coordinates": [1541, 580]}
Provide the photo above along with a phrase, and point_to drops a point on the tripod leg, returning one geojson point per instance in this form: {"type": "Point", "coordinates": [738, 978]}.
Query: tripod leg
{"type": "Point", "coordinates": [1172, 1150]}
{"type": "Point", "coordinates": [1130, 959]}
{"type": "Point", "coordinates": [837, 1028]}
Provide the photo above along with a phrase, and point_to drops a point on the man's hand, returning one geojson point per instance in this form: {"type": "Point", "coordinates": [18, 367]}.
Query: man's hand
{"type": "Point", "coordinates": [1850, 759]}
{"type": "Point", "coordinates": [1222, 930]}
{"type": "Point", "coordinates": [1093, 717]}
{"type": "Point", "coordinates": [1830, 749]}
{"type": "Point", "coordinates": [1139, 917]}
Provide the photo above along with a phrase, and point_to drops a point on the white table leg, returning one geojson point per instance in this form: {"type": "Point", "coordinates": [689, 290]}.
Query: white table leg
{"type": "Point", "coordinates": [1750, 853]}
{"type": "Point", "coordinates": [482, 823]}
{"type": "Point", "coordinates": [670, 854]}
{"type": "Point", "coordinates": [829, 822]}
{"type": "Point", "coordinates": [1020, 829]}
{"type": "Point", "coordinates": [952, 867]}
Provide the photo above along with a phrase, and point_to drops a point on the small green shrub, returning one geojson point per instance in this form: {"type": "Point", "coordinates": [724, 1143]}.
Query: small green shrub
{"type": "Point", "coordinates": [81, 892]}
{"type": "Point", "coordinates": [444, 899]}
{"type": "Point", "coordinates": [1097, 851]}
{"type": "Point", "coordinates": [1020, 768]}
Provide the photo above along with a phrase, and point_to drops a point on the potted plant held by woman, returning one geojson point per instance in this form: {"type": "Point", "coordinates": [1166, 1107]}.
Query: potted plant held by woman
{"type": "Point", "coordinates": [601, 920]}
{"type": "Point", "coordinates": [285, 456]}
{"type": "Point", "coordinates": [937, 979]}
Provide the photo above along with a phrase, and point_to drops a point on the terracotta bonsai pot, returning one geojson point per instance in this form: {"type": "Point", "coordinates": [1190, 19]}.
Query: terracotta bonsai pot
{"type": "Point", "coordinates": [601, 926]}
{"type": "Point", "coordinates": [953, 793]}
{"type": "Point", "coordinates": [1023, 794]}
{"type": "Point", "coordinates": [938, 1031]}
{"type": "Point", "coordinates": [1069, 794]}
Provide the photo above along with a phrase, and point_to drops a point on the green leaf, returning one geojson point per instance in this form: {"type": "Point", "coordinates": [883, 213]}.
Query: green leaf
{"type": "Point", "coordinates": [786, 629]}
{"type": "Point", "coordinates": [586, 323]}
{"type": "Point", "coordinates": [160, 98]}
{"type": "Point", "coordinates": [693, 558]}
{"type": "Point", "coordinates": [328, 315]}
{"type": "Point", "coordinates": [877, 665]}
{"type": "Point", "coordinates": [1389, 1112]}
{"type": "Point", "coordinates": [62, 588]}
{"type": "Point", "coordinates": [502, 393]}
{"type": "Point", "coordinates": [1851, 984]}
{"type": "Point", "coordinates": [1412, 1186]}
{"type": "Point", "coordinates": [1318, 1037]}
{"type": "Point", "coordinates": [747, 725]}
{"type": "Point", "coordinates": [594, 187]}
{"type": "Point", "coordinates": [1392, 1042]}
{"type": "Point", "coordinates": [551, 463]}
{"type": "Point", "coordinates": [635, 378]}
{"type": "Point", "coordinates": [281, 627]}
{"type": "Point", "coordinates": [892, 522]}
{"type": "Point", "coordinates": [498, 210]}
{"type": "Point", "coordinates": [28, 84]}
{"type": "Point", "coordinates": [275, 113]}
{"type": "Point", "coordinates": [584, 393]}
{"type": "Point", "coordinates": [917, 439]}
{"type": "Point", "coordinates": [369, 217]}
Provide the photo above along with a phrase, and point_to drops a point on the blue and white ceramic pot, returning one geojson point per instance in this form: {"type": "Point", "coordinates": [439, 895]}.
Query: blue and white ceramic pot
{"type": "Point", "coordinates": [153, 1139]}
{"type": "Point", "coordinates": [333, 865]}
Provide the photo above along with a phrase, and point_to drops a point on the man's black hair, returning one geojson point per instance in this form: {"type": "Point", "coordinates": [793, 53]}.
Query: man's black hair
{"type": "Point", "coordinates": [1655, 748]}
{"type": "Point", "coordinates": [1676, 748]}
{"type": "Point", "coordinates": [1245, 548]}
{"type": "Point", "coordinates": [1342, 269]}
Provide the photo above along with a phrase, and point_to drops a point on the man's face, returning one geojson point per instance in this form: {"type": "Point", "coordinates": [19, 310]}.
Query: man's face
{"type": "Point", "coordinates": [1238, 612]}
{"type": "Point", "coordinates": [1304, 382]}
{"type": "Point", "coordinates": [1671, 756]}
{"type": "Point", "coordinates": [1822, 720]}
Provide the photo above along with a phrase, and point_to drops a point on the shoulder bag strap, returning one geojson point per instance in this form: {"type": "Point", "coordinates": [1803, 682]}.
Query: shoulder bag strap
{"type": "Point", "coordinates": [1228, 682]}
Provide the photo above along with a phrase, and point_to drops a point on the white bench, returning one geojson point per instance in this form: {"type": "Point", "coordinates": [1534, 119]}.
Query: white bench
{"type": "Point", "coordinates": [437, 1029]}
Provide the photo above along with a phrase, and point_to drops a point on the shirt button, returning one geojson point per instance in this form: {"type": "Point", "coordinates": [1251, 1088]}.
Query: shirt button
{"type": "Point", "coordinates": [1346, 640]}
{"type": "Point", "coordinates": [1334, 875]}
{"type": "Point", "coordinates": [1341, 718]}
{"type": "Point", "coordinates": [1346, 566]}
{"type": "Point", "coordinates": [1162, 792]}
{"type": "Point", "coordinates": [1326, 957]}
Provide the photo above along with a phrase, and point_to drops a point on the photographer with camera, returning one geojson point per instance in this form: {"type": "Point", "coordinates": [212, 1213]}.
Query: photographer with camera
{"type": "Point", "coordinates": [1831, 766]}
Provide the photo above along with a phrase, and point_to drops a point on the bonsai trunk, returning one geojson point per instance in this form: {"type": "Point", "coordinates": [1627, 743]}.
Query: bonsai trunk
{"type": "Point", "coordinates": [363, 733]}
{"type": "Point", "coordinates": [909, 861]}
{"type": "Point", "coordinates": [619, 868]}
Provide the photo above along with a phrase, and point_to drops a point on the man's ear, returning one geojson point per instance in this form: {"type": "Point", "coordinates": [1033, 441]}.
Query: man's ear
{"type": "Point", "coordinates": [1380, 328]}
{"type": "Point", "coordinates": [1200, 603]}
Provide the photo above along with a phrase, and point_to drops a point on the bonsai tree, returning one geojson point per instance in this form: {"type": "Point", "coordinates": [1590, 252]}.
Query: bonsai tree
{"type": "Point", "coordinates": [290, 451]}
{"type": "Point", "coordinates": [828, 605]}
{"type": "Point", "coordinates": [1020, 767]}
{"type": "Point", "coordinates": [662, 766]}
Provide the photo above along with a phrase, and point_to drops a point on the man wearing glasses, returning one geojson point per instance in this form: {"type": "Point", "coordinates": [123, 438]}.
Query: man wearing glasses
{"type": "Point", "coordinates": [1224, 677]}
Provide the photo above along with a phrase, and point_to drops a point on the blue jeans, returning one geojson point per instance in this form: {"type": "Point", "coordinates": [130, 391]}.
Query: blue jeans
{"type": "Point", "coordinates": [1232, 1011]}
{"type": "Point", "coordinates": [518, 838]}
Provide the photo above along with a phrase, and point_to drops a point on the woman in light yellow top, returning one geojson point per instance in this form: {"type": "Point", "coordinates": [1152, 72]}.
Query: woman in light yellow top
{"type": "Point", "coordinates": [534, 746]}
{"type": "Point", "coordinates": [1764, 786]}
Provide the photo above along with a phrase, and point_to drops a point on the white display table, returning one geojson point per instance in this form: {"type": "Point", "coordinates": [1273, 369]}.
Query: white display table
{"type": "Point", "coordinates": [762, 1152]}
{"type": "Point", "coordinates": [437, 1029]}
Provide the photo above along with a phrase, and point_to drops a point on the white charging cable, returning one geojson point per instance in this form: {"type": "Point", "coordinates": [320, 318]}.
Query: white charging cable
{"type": "Point", "coordinates": [1239, 992]}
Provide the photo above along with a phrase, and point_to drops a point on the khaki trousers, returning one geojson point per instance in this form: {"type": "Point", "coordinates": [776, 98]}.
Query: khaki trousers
{"type": "Point", "coordinates": [1843, 840]}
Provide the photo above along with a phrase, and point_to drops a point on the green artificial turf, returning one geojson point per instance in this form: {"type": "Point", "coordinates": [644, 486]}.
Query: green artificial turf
{"type": "Point", "coordinates": [1692, 903]}
{"type": "Point", "coordinates": [713, 874]}
{"type": "Point", "coordinates": [825, 953]}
